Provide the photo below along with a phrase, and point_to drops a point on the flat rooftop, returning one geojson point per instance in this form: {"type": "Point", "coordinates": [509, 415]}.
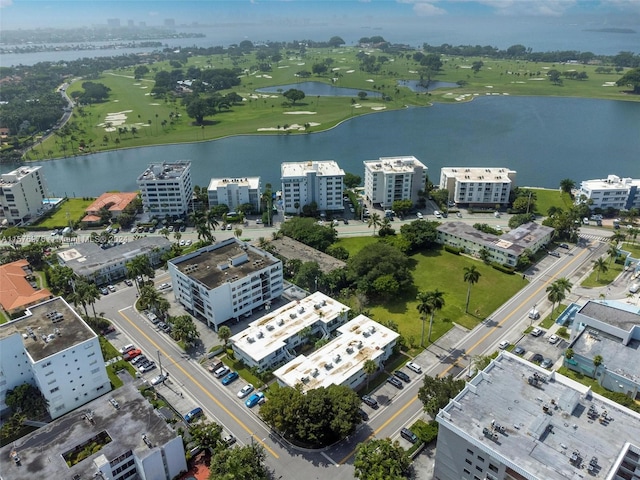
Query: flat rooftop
{"type": "Point", "coordinates": [478, 174]}
{"type": "Point", "coordinates": [250, 182]}
{"type": "Point", "coordinates": [543, 424]}
{"type": "Point", "coordinates": [612, 182]}
{"type": "Point", "coordinates": [623, 319]}
{"type": "Point", "coordinates": [271, 332]}
{"type": "Point", "coordinates": [360, 340]}
{"type": "Point", "coordinates": [14, 176]}
{"type": "Point", "coordinates": [48, 328]}
{"type": "Point", "coordinates": [41, 451]}
{"type": "Point", "coordinates": [227, 261]}
{"type": "Point", "coordinates": [164, 171]}
{"type": "Point", "coordinates": [394, 164]}
{"type": "Point", "coordinates": [301, 169]}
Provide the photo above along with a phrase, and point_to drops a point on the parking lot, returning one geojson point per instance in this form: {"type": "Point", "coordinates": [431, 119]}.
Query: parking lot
{"type": "Point", "coordinates": [540, 345]}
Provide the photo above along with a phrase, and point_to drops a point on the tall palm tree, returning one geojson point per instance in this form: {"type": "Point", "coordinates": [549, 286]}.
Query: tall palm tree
{"type": "Point", "coordinates": [212, 223]}
{"type": "Point", "coordinates": [92, 294]}
{"type": "Point", "coordinates": [374, 221]}
{"type": "Point", "coordinates": [565, 284]}
{"type": "Point", "coordinates": [471, 276]}
{"type": "Point", "coordinates": [199, 220]}
{"type": "Point", "coordinates": [430, 302]}
{"type": "Point", "coordinates": [566, 185]}
{"type": "Point", "coordinates": [555, 294]}
{"type": "Point", "coordinates": [617, 237]}
{"type": "Point", "coordinates": [370, 367]}
{"type": "Point", "coordinates": [633, 233]}
{"type": "Point", "coordinates": [424, 308]}
{"type": "Point", "coordinates": [612, 252]}
{"type": "Point", "coordinates": [600, 266]}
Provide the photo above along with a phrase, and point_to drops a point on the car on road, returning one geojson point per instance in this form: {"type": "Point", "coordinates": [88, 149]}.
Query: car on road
{"type": "Point", "coordinates": [229, 440]}
{"type": "Point", "coordinates": [553, 339]}
{"type": "Point", "coordinates": [564, 245]}
{"type": "Point", "coordinates": [254, 399]}
{"type": "Point", "coordinates": [164, 286]}
{"type": "Point", "coordinates": [395, 382]}
{"type": "Point", "coordinates": [546, 363]}
{"type": "Point", "coordinates": [246, 390]}
{"type": "Point", "coordinates": [553, 253]}
{"type": "Point", "coordinates": [536, 332]}
{"type": "Point", "coordinates": [458, 214]}
{"type": "Point", "coordinates": [230, 378]}
{"type": "Point", "coordinates": [131, 354]}
{"type": "Point", "coordinates": [408, 435]}
{"type": "Point", "coordinates": [414, 367]}
{"type": "Point", "coordinates": [419, 215]}
{"type": "Point", "coordinates": [372, 402]}
{"type": "Point", "coordinates": [402, 376]}
{"type": "Point", "coordinates": [229, 227]}
{"type": "Point", "coordinates": [126, 348]}
{"type": "Point", "coordinates": [128, 283]}
{"type": "Point", "coordinates": [363, 414]}
{"type": "Point", "coordinates": [147, 367]}
{"type": "Point", "coordinates": [193, 414]}
{"type": "Point", "coordinates": [158, 379]}
{"type": "Point", "coordinates": [537, 358]}
{"type": "Point", "coordinates": [519, 350]}
{"type": "Point", "coordinates": [503, 344]}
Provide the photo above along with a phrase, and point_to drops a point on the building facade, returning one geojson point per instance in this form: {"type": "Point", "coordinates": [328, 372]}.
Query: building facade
{"type": "Point", "coordinates": [393, 178]}
{"type": "Point", "coordinates": [505, 249]}
{"type": "Point", "coordinates": [475, 186]}
{"type": "Point", "coordinates": [314, 181]}
{"type": "Point", "coordinates": [221, 282]}
{"type": "Point", "coordinates": [21, 194]}
{"type": "Point", "coordinates": [116, 437]}
{"type": "Point", "coordinates": [104, 266]}
{"type": "Point", "coordinates": [166, 188]}
{"type": "Point", "coordinates": [270, 340]}
{"type": "Point", "coordinates": [515, 421]}
{"type": "Point", "coordinates": [611, 192]}
{"type": "Point", "coordinates": [234, 192]}
{"type": "Point", "coordinates": [341, 361]}
{"type": "Point", "coordinates": [52, 348]}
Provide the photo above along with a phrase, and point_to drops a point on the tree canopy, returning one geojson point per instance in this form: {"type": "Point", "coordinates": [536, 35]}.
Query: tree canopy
{"type": "Point", "coordinates": [351, 180]}
{"type": "Point", "coordinates": [293, 95]}
{"type": "Point", "coordinates": [245, 462]}
{"type": "Point", "coordinates": [631, 79]}
{"type": "Point", "coordinates": [379, 263]}
{"type": "Point", "coordinates": [436, 392]}
{"type": "Point", "coordinates": [420, 234]}
{"type": "Point", "coordinates": [381, 459]}
{"type": "Point", "coordinates": [28, 400]}
{"type": "Point", "coordinates": [307, 231]}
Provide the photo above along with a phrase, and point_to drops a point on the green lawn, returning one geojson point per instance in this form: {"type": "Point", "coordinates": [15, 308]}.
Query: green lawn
{"type": "Point", "coordinates": [72, 209]}
{"type": "Point", "coordinates": [444, 271]}
{"type": "Point", "coordinates": [633, 248]}
{"type": "Point", "coordinates": [163, 120]}
{"type": "Point", "coordinates": [550, 319]}
{"type": "Point", "coordinates": [547, 198]}
{"type": "Point", "coordinates": [605, 278]}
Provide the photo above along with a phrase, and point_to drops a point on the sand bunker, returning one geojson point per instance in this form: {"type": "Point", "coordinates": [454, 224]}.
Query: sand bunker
{"type": "Point", "coordinates": [350, 71]}
{"type": "Point", "coordinates": [267, 76]}
{"type": "Point", "coordinates": [154, 104]}
{"type": "Point", "coordinates": [378, 108]}
{"type": "Point", "coordinates": [537, 78]}
{"type": "Point", "coordinates": [114, 120]}
{"type": "Point", "coordinates": [609, 84]}
{"type": "Point", "coordinates": [335, 69]}
{"type": "Point", "coordinates": [295, 126]}
{"type": "Point", "coordinates": [283, 66]}
{"type": "Point", "coordinates": [300, 113]}
{"type": "Point", "coordinates": [370, 80]}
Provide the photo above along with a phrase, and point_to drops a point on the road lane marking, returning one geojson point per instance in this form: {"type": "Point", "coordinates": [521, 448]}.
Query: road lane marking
{"type": "Point", "coordinates": [329, 458]}
{"type": "Point", "coordinates": [201, 387]}
{"type": "Point", "coordinates": [411, 402]}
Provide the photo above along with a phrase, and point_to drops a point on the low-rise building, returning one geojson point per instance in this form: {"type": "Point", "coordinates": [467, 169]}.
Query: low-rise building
{"type": "Point", "coordinates": [610, 330]}
{"type": "Point", "coordinates": [611, 192]}
{"type": "Point", "coordinates": [166, 188]}
{"type": "Point", "coordinates": [114, 438]}
{"type": "Point", "coordinates": [341, 361]}
{"type": "Point", "coordinates": [52, 348]}
{"type": "Point", "coordinates": [114, 202]}
{"type": "Point", "coordinates": [393, 178]}
{"type": "Point", "coordinates": [505, 249]}
{"type": "Point", "coordinates": [234, 192]}
{"type": "Point", "coordinates": [270, 340]}
{"type": "Point", "coordinates": [21, 194]}
{"type": "Point", "coordinates": [313, 181]}
{"type": "Point", "coordinates": [106, 265]}
{"type": "Point", "coordinates": [226, 280]}
{"type": "Point", "coordinates": [18, 287]}
{"type": "Point", "coordinates": [515, 420]}
{"type": "Point", "coordinates": [477, 186]}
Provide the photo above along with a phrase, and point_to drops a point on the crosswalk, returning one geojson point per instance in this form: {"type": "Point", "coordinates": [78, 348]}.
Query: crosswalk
{"type": "Point", "coordinates": [597, 238]}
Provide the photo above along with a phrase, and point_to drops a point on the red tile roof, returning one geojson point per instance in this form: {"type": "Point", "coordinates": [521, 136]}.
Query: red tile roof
{"type": "Point", "coordinates": [16, 293]}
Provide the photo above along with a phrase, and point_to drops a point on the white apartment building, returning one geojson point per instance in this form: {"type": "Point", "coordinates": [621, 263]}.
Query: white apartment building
{"type": "Point", "coordinates": [234, 192]}
{"type": "Point", "coordinates": [515, 420]}
{"type": "Point", "coordinates": [476, 186]}
{"type": "Point", "coordinates": [341, 361]}
{"type": "Point", "coordinates": [129, 439]}
{"type": "Point", "coordinates": [270, 340]}
{"type": "Point", "coordinates": [611, 192]}
{"type": "Point", "coordinates": [21, 194]}
{"type": "Point", "coordinates": [220, 282]}
{"type": "Point", "coordinates": [166, 188]}
{"type": "Point", "coordinates": [313, 181]}
{"type": "Point", "coordinates": [393, 178]}
{"type": "Point", "coordinates": [52, 348]}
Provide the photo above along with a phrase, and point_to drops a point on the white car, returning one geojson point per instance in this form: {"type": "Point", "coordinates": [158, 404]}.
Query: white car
{"type": "Point", "coordinates": [246, 390]}
{"type": "Point", "coordinates": [503, 344]}
{"type": "Point", "coordinates": [158, 379]}
{"type": "Point", "coordinates": [553, 339]}
{"type": "Point", "coordinates": [634, 288]}
{"type": "Point", "coordinates": [163, 286]}
{"type": "Point", "coordinates": [419, 215]}
{"type": "Point", "coordinates": [414, 367]}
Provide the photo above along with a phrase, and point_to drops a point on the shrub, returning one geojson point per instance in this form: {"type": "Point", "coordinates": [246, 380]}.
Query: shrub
{"type": "Point", "coordinates": [454, 250]}
{"type": "Point", "coordinates": [503, 268]}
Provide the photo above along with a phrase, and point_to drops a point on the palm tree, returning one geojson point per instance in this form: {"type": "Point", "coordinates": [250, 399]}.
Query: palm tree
{"type": "Point", "coordinates": [224, 334]}
{"type": "Point", "coordinates": [633, 233]}
{"type": "Point", "coordinates": [471, 276]}
{"type": "Point", "coordinates": [565, 284]}
{"type": "Point", "coordinates": [374, 221]}
{"type": "Point", "coordinates": [199, 220]}
{"type": "Point", "coordinates": [600, 266]}
{"type": "Point", "coordinates": [424, 308]}
{"type": "Point", "coordinates": [212, 223]}
{"type": "Point", "coordinates": [369, 368]}
{"type": "Point", "coordinates": [566, 185]}
{"type": "Point", "coordinates": [612, 252]}
{"type": "Point", "coordinates": [92, 294]}
{"type": "Point", "coordinates": [430, 302]}
{"type": "Point", "coordinates": [597, 361]}
{"type": "Point", "coordinates": [138, 267]}
{"type": "Point", "coordinates": [555, 294]}
{"type": "Point", "coordinates": [617, 237]}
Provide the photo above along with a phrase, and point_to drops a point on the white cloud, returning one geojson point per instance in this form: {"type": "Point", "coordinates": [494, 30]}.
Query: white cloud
{"type": "Point", "coordinates": [5, 3]}
{"type": "Point", "coordinates": [425, 8]}
{"type": "Point", "coordinates": [526, 7]}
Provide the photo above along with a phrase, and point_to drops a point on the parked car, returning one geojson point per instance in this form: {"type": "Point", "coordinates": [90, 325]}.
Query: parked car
{"type": "Point", "coordinates": [111, 288]}
{"type": "Point", "coordinates": [221, 371]}
{"type": "Point", "coordinates": [414, 367]}
{"type": "Point", "coordinates": [553, 253]}
{"type": "Point", "coordinates": [408, 435]}
{"type": "Point", "coordinates": [139, 360]}
{"type": "Point", "coordinates": [128, 283]}
{"type": "Point", "coordinates": [564, 245]}
{"type": "Point", "coordinates": [254, 399]}
{"type": "Point", "coordinates": [165, 327]}
{"type": "Point", "coordinates": [230, 378]}
{"type": "Point", "coordinates": [246, 390]}
{"type": "Point", "coordinates": [537, 358]}
{"type": "Point", "coordinates": [634, 288]}
{"type": "Point", "coordinates": [553, 339]}
{"type": "Point", "coordinates": [546, 363]}
{"type": "Point", "coordinates": [126, 348]}
{"type": "Point", "coordinates": [503, 344]}
{"type": "Point", "coordinates": [519, 350]}
{"type": "Point", "coordinates": [395, 382]}
{"type": "Point", "coordinates": [193, 414]}
{"type": "Point", "coordinates": [536, 332]}
{"type": "Point", "coordinates": [158, 379]}
{"type": "Point", "coordinates": [104, 291]}
{"type": "Point", "coordinates": [402, 376]}
{"type": "Point", "coordinates": [147, 367]}
{"type": "Point", "coordinates": [372, 402]}
{"type": "Point", "coordinates": [131, 354]}
{"type": "Point", "coordinates": [363, 414]}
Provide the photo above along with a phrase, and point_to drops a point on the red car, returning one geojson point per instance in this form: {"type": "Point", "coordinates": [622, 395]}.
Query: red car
{"type": "Point", "coordinates": [131, 354]}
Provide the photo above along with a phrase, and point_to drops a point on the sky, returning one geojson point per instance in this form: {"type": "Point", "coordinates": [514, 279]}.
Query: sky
{"type": "Point", "coordinates": [27, 14]}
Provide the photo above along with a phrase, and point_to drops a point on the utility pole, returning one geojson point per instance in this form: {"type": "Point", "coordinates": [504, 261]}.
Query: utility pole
{"type": "Point", "coordinates": [159, 362]}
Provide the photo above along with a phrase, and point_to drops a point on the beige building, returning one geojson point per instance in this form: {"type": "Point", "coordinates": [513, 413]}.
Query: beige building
{"type": "Point", "coordinates": [476, 186]}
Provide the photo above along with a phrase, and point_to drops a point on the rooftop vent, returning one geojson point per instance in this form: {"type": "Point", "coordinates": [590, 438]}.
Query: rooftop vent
{"type": "Point", "coordinates": [314, 372]}
{"type": "Point", "coordinates": [251, 339]}
{"type": "Point", "coordinates": [280, 322]}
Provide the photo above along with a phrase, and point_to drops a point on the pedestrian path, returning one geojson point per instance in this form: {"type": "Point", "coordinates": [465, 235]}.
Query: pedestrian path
{"type": "Point", "coordinates": [597, 238]}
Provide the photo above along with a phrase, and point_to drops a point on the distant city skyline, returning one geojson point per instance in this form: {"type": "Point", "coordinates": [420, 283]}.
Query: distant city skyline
{"type": "Point", "coordinates": [27, 14]}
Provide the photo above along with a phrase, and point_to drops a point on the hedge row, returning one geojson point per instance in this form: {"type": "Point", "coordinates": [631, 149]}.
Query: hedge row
{"type": "Point", "coordinates": [503, 268]}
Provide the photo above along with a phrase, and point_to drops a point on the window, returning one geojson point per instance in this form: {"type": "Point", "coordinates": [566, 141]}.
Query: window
{"type": "Point", "coordinates": [480, 458]}
{"type": "Point", "coordinates": [493, 468]}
